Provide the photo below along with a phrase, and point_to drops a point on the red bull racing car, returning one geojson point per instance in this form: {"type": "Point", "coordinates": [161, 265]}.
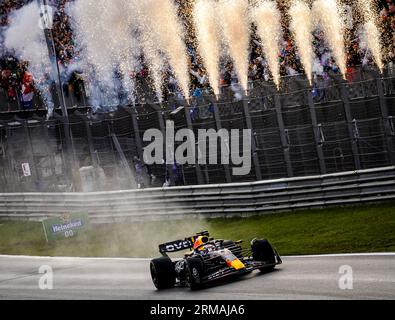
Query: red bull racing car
{"type": "Point", "coordinates": [210, 260]}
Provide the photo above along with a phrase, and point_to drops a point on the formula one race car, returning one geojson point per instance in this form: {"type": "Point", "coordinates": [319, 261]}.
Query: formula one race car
{"type": "Point", "coordinates": [210, 260]}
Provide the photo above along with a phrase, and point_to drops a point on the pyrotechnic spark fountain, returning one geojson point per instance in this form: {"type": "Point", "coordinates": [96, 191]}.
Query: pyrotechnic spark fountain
{"type": "Point", "coordinates": [205, 20]}
{"type": "Point", "coordinates": [103, 32]}
{"type": "Point", "coordinates": [168, 35]}
{"type": "Point", "coordinates": [302, 28]}
{"type": "Point", "coordinates": [123, 44]}
{"type": "Point", "coordinates": [326, 13]}
{"type": "Point", "coordinates": [235, 25]}
{"type": "Point", "coordinates": [155, 62]}
{"type": "Point", "coordinates": [111, 34]}
{"type": "Point", "coordinates": [268, 20]}
{"type": "Point", "coordinates": [371, 32]}
{"type": "Point", "coordinates": [94, 39]}
{"type": "Point", "coordinates": [126, 66]}
{"type": "Point", "coordinates": [147, 39]}
{"type": "Point", "coordinates": [372, 39]}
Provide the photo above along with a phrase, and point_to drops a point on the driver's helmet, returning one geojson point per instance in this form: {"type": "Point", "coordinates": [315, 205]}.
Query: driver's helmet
{"type": "Point", "coordinates": [199, 241]}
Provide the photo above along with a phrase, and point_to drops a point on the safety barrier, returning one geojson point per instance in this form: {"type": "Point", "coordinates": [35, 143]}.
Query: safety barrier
{"type": "Point", "coordinates": [225, 200]}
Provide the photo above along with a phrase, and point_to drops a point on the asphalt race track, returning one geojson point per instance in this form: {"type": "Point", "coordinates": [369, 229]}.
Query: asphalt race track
{"type": "Point", "coordinates": [305, 277]}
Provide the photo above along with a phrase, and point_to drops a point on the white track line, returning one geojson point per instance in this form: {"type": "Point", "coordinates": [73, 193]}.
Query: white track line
{"type": "Point", "coordinates": [73, 258]}
{"type": "Point", "coordinates": [147, 259]}
{"type": "Point", "coordinates": [372, 254]}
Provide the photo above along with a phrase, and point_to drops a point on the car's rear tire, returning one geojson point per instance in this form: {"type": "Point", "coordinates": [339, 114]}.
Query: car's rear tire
{"type": "Point", "coordinates": [162, 273]}
{"type": "Point", "coordinates": [263, 251]}
{"type": "Point", "coordinates": [195, 270]}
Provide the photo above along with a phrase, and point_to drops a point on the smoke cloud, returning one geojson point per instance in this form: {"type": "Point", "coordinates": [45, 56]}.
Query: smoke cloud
{"type": "Point", "coordinates": [25, 37]}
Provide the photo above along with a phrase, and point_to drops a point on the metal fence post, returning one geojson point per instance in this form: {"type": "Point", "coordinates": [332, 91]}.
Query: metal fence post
{"type": "Point", "coordinates": [255, 158]}
{"type": "Point", "coordinates": [68, 152]}
{"type": "Point", "coordinates": [48, 146]}
{"type": "Point", "coordinates": [385, 115]}
{"type": "Point", "coordinates": [317, 136]}
{"type": "Point", "coordinates": [190, 127]}
{"type": "Point", "coordinates": [349, 122]}
{"type": "Point", "coordinates": [218, 124]}
{"type": "Point", "coordinates": [136, 130]}
{"type": "Point", "coordinates": [49, 38]}
{"type": "Point", "coordinates": [162, 128]}
{"type": "Point", "coordinates": [70, 160]}
{"type": "Point", "coordinates": [129, 171]}
{"type": "Point", "coordinates": [30, 154]}
{"type": "Point", "coordinates": [10, 162]}
{"type": "Point", "coordinates": [283, 136]}
{"type": "Point", "coordinates": [95, 160]}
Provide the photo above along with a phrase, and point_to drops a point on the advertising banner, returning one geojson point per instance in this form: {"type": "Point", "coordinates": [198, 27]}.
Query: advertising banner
{"type": "Point", "coordinates": [68, 225]}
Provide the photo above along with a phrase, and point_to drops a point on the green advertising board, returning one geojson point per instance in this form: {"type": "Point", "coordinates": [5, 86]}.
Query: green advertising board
{"type": "Point", "coordinates": [66, 226]}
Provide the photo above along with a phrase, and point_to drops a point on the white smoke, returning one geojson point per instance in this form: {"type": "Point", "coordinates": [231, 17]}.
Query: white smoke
{"type": "Point", "coordinates": [25, 37]}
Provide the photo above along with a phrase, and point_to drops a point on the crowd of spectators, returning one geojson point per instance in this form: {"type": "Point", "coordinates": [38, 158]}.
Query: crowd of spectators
{"type": "Point", "coordinates": [387, 15]}
{"type": "Point", "coordinates": [8, 6]}
{"type": "Point", "coordinates": [289, 60]}
{"type": "Point", "coordinates": [15, 80]}
{"type": "Point", "coordinates": [13, 72]}
{"type": "Point", "coordinates": [63, 34]}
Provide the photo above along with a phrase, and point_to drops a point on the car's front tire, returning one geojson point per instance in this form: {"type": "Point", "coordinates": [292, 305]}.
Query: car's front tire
{"type": "Point", "coordinates": [263, 251]}
{"type": "Point", "coordinates": [162, 273]}
{"type": "Point", "coordinates": [195, 269]}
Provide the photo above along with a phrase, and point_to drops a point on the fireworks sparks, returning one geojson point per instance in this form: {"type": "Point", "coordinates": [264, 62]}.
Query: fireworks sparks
{"type": "Point", "coordinates": [207, 28]}
{"type": "Point", "coordinates": [327, 15]}
{"type": "Point", "coordinates": [235, 25]}
{"type": "Point", "coordinates": [372, 33]}
{"type": "Point", "coordinates": [168, 34]}
{"type": "Point", "coordinates": [106, 32]}
{"type": "Point", "coordinates": [268, 20]}
{"type": "Point", "coordinates": [115, 38]}
{"type": "Point", "coordinates": [302, 28]}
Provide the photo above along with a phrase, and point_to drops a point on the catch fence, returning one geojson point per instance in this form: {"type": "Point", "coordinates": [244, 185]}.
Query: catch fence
{"type": "Point", "coordinates": [334, 126]}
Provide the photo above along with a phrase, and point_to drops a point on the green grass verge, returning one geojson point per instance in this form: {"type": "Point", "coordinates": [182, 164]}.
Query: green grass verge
{"type": "Point", "coordinates": [338, 230]}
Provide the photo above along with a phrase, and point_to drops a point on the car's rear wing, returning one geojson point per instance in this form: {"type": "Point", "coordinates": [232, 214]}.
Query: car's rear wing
{"type": "Point", "coordinates": [179, 245]}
